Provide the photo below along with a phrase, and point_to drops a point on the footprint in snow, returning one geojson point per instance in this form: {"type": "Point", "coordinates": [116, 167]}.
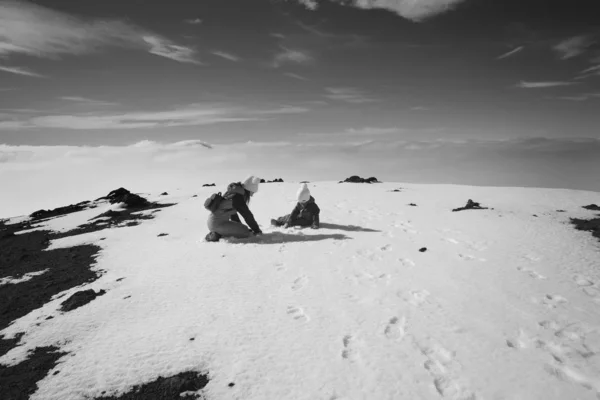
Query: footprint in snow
{"type": "Point", "coordinates": [396, 328]}
{"type": "Point", "coordinates": [387, 247]}
{"type": "Point", "coordinates": [522, 341]}
{"type": "Point", "coordinates": [349, 351]}
{"type": "Point", "coordinates": [297, 313]}
{"type": "Point", "coordinates": [407, 262]}
{"type": "Point", "coordinates": [581, 280]}
{"type": "Point", "coordinates": [593, 292]}
{"type": "Point", "coordinates": [445, 371]}
{"type": "Point", "coordinates": [280, 267]}
{"type": "Point", "coordinates": [470, 257]}
{"type": "Point", "coordinates": [553, 301]}
{"type": "Point", "coordinates": [531, 273]}
{"type": "Point", "coordinates": [299, 283]}
{"type": "Point", "coordinates": [415, 297]}
{"type": "Point", "coordinates": [533, 257]}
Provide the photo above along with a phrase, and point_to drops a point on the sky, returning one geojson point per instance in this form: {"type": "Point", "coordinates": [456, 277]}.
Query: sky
{"type": "Point", "coordinates": [452, 91]}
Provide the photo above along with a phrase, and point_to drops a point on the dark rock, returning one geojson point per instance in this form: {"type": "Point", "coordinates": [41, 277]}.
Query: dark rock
{"type": "Point", "coordinates": [164, 194]}
{"type": "Point", "coordinates": [535, 215]}
{"type": "Point", "coordinates": [231, 384]}
{"type": "Point", "coordinates": [195, 195]}
{"type": "Point", "coordinates": [423, 249]}
{"type": "Point", "coordinates": [120, 279]}
{"type": "Point", "coordinates": [80, 299]}
{"type": "Point", "coordinates": [122, 195]}
{"type": "Point", "coordinates": [592, 207]}
{"type": "Point", "coordinates": [262, 181]}
{"type": "Point", "coordinates": [589, 225]}
{"type": "Point", "coordinates": [192, 339]}
{"type": "Point", "coordinates": [164, 388]}
{"type": "Point", "coordinates": [396, 190]}
{"type": "Point", "coordinates": [49, 317]}
{"type": "Point", "coordinates": [42, 214]}
{"type": "Point", "coordinates": [208, 185]}
{"type": "Point", "coordinates": [358, 179]}
{"type": "Point", "coordinates": [471, 205]}
{"type": "Point", "coordinates": [561, 211]}
{"type": "Point", "coordinates": [305, 182]}
{"type": "Point", "coordinates": [412, 204]}
{"type": "Point", "coordinates": [277, 180]}
{"type": "Point", "coordinates": [163, 234]}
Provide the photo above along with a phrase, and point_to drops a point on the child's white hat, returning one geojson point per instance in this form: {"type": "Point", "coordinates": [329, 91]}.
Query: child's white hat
{"type": "Point", "coordinates": [303, 193]}
{"type": "Point", "coordinates": [251, 184]}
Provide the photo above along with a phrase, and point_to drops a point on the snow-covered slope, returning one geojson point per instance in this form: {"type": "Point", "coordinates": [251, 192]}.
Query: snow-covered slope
{"type": "Point", "coordinates": [502, 304]}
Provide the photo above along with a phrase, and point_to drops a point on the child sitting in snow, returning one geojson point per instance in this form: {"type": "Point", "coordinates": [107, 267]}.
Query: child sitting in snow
{"type": "Point", "coordinates": [306, 212]}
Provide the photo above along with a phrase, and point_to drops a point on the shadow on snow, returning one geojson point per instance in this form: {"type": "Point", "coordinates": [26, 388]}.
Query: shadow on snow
{"type": "Point", "coordinates": [350, 228]}
{"type": "Point", "coordinates": [281, 237]}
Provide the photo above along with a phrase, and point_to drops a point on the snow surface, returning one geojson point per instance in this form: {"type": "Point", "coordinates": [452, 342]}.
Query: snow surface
{"type": "Point", "coordinates": [26, 277]}
{"type": "Point", "coordinates": [502, 305]}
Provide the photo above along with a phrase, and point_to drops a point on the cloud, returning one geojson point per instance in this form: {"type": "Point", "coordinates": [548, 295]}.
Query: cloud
{"type": "Point", "coordinates": [414, 10]}
{"type": "Point", "coordinates": [227, 56]}
{"type": "Point", "coordinates": [21, 71]}
{"type": "Point", "coordinates": [33, 30]}
{"type": "Point", "coordinates": [580, 97]}
{"type": "Point", "coordinates": [348, 95]}
{"type": "Point", "coordinates": [193, 21]}
{"type": "Point", "coordinates": [372, 131]}
{"type": "Point", "coordinates": [510, 53]}
{"type": "Point", "coordinates": [291, 56]}
{"type": "Point", "coordinates": [85, 100]}
{"type": "Point", "coordinates": [295, 76]}
{"type": "Point", "coordinates": [62, 173]}
{"type": "Point", "coordinates": [588, 72]}
{"type": "Point", "coordinates": [164, 48]}
{"type": "Point", "coordinates": [191, 115]}
{"type": "Point", "coordinates": [542, 85]}
{"type": "Point", "coordinates": [573, 47]}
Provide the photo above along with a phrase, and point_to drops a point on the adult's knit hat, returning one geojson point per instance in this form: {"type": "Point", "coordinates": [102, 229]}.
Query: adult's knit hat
{"type": "Point", "coordinates": [251, 184]}
{"type": "Point", "coordinates": [303, 193]}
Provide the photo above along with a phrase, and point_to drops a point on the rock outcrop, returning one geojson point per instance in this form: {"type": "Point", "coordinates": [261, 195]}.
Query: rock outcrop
{"type": "Point", "coordinates": [471, 205]}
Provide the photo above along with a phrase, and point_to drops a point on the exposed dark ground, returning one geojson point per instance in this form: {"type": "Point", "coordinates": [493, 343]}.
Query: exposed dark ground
{"type": "Point", "coordinates": [66, 268]}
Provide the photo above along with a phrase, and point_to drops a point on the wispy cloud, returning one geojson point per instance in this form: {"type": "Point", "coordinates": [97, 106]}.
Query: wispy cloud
{"type": "Point", "coordinates": [580, 97]}
{"type": "Point", "coordinates": [573, 47]}
{"type": "Point", "coordinates": [292, 56]}
{"type": "Point", "coordinates": [33, 30]}
{"type": "Point", "coordinates": [164, 48]}
{"type": "Point", "coordinates": [295, 76]}
{"type": "Point", "coordinates": [415, 10]}
{"type": "Point", "coordinates": [372, 131]}
{"type": "Point", "coordinates": [191, 115]}
{"type": "Point", "coordinates": [227, 56]}
{"type": "Point", "coordinates": [85, 100]}
{"type": "Point", "coordinates": [193, 21]}
{"type": "Point", "coordinates": [348, 95]}
{"type": "Point", "coordinates": [21, 71]}
{"type": "Point", "coordinates": [510, 53]}
{"type": "Point", "coordinates": [589, 72]}
{"type": "Point", "coordinates": [542, 85]}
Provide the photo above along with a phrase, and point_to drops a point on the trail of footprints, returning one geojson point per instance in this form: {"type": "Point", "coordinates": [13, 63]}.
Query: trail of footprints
{"type": "Point", "coordinates": [573, 349]}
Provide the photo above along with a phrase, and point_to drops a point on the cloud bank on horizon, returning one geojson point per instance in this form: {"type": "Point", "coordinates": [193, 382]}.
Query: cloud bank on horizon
{"type": "Point", "coordinates": [68, 174]}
